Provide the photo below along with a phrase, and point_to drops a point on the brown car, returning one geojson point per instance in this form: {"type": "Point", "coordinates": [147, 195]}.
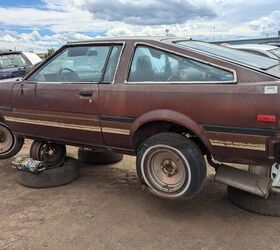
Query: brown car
{"type": "Point", "coordinates": [169, 101]}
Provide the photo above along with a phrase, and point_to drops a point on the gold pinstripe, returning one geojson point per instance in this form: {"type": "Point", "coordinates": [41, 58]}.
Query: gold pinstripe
{"type": "Point", "coordinates": [116, 131]}
{"type": "Point", "coordinates": [230, 144]}
{"type": "Point", "coordinates": [68, 125]}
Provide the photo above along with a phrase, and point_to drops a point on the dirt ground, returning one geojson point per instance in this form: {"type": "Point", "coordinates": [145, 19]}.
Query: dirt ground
{"type": "Point", "coordinates": [107, 209]}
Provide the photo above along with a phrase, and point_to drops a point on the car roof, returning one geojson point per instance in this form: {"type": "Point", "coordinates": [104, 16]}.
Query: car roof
{"type": "Point", "coordinates": [9, 52]}
{"type": "Point", "coordinates": [129, 38]}
{"type": "Point", "coordinates": [163, 39]}
{"type": "Point", "coordinates": [32, 57]}
{"type": "Point", "coordinates": [264, 47]}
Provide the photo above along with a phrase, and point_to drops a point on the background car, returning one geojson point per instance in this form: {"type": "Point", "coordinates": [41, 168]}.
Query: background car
{"type": "Point", "coordinates": [258, 49]}
{"type": "Point", "coordinates": [16, 64]}
{"type": "Point", "coordinates": [274, 44]}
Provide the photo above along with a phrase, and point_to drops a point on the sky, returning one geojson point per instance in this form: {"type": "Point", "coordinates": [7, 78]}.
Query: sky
{"type": "Point", "coordinates": [37, 25]}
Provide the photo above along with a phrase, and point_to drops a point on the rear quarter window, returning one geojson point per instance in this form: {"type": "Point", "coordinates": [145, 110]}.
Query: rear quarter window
{"type": "Point", "coordinates": [155, 65]}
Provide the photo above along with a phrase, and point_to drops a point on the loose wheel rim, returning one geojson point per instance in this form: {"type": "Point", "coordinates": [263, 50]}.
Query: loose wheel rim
{"type": "Point", "coordinates": [51, 154]}
{"type": "Point", "coordinates": [166, 170]}
{"type": "Point", "coordinates": [6, 140]}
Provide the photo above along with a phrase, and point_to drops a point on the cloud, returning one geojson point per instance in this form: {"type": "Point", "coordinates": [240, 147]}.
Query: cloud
{"type": "Point", "coordinates": [69, 20]}
{"type": "Point", "coordinates": [56, 20]}
{"type": "Point", "coordinates": [268, 24]}
{"type": "Point", "coordinates": [149, 12]}
{"type": "Point", "coordinates": [34, 41]}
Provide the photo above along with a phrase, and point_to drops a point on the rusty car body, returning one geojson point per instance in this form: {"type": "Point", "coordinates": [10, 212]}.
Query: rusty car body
{"type": "Point", "coordinates": [230, 110]}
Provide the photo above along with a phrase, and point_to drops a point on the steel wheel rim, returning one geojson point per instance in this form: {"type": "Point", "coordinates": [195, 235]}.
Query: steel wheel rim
{"type": "Point", "coordinates": [6, 140]}
{"type": "Point", "coordinates": [166, 170]}
{"type": "Point", "coordinates": [51, 154]}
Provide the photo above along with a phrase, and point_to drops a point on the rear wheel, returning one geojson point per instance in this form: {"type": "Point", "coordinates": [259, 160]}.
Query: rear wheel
{"type": "Point", "coordinates": [171, 166]}
{"type": "Point", "coordinates": [10, 145]}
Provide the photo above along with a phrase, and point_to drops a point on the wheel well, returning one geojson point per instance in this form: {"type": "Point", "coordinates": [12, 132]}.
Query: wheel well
{"type": "Point", "coordinates": [1, 119]}
{"type": "Point", "coordinates": [152, 128]}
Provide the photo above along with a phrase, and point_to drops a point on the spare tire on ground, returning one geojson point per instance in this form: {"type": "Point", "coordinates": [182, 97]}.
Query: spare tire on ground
{"type": "Point", "coordinates": [256, 204]}
{"type": "Point", "coordinates": [98, 156]}
{"type": "Point", "coordinates": [52, 177]}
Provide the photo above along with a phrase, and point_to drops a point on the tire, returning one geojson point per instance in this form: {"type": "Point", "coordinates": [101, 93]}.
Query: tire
{"type": "Point", "coordinates": [34, 152]}
{"type": "Point", "coordinates": [52, 177]}
{"type": "Point", "coordinates": [256, 204]}
{"type": "Point", "coordinates": [40, 151]}
{"type": "Point", "coordinates": [11, 144]}
{"type": "Point", "coordinates": [171, 166]}
{"type": "Point", "coordinates": [98, 156]}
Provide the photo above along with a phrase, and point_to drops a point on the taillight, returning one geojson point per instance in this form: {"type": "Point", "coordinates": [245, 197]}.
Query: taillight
{"type": "Point", "coordinates": [266, 118]}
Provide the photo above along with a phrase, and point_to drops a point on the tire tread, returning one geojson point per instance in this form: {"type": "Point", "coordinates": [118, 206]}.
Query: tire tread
{"type": "Point", "coordinates": [256, 204]}
{"type": "Point", "coordinates": [51, 177]}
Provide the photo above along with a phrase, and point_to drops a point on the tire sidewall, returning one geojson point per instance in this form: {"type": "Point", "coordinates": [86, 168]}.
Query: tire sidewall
{"type": "Point", "coordinates": [195, 174]}
{"type": "Point", "coordinates": [255, 204]}
{"type": "Point", "coordinates": [17, 145]}
{"type": "Point", "coordinates": [52, 177]}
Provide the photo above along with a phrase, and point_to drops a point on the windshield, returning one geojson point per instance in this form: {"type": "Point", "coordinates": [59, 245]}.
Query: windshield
{"type": "Point", "coordinates": [11, 61]}
{"type": "Point", "coordinates": [232, 54]}
{"type": "Point", "coordinates": [276, 52]}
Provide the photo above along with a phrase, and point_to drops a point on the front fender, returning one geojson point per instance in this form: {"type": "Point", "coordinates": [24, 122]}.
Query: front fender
{"type": "Point", "coordinates": [174, 117]}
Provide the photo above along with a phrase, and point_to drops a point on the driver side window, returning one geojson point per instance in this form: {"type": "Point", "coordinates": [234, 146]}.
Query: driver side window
{"type": "Point", "coordinates": [154, 65]}
{"type": "Point", "coordinates": [74, 64]}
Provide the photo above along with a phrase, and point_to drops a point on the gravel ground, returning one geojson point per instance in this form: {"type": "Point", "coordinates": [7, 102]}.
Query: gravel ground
{"type": "Point", "coordinates": [107, 209]}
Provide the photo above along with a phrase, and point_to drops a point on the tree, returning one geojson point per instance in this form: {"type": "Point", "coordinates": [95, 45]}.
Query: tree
{"type": "Point", "coordinates": [50, 52]}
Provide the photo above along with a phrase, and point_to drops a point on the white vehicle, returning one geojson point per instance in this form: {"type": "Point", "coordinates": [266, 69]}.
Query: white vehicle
{"type": "Point", "coordinates": [32, 57]}
{"type": "Point", "coordinates": [14, 64]}
{"type": "Point", "coordinates": [258, 49]}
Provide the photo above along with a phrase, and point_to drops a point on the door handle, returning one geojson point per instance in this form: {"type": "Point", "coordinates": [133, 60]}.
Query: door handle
{"type": "Point", "coordinates": [86, 92]}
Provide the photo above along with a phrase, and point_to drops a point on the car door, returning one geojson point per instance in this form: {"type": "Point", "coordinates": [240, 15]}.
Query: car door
{"type": "Point", "coordinates": [60, 100]}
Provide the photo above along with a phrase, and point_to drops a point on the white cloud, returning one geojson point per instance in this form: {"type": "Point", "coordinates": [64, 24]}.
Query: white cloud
{"type": "Point", "coordinates": [8, 38]}
{"type": "Point", "coordinates": [149, 12]}
{"type": "Point", "coordinates": [267, 24]}
{"type": "Point", "coordinates": [35, 42]}
{"type": "Point", "coordinates": [72, 19]}
{"type": "Point", "coordinates": [69, 19]}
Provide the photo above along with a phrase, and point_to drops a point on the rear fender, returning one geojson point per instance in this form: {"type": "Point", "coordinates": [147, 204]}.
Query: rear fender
{"type": "Point", "coordinates": [174, 117]}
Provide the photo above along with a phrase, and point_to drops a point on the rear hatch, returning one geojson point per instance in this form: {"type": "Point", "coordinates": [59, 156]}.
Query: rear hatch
{"type": "Point", "coordinates": [275, 71]}
{"type": "Point", "coordinates": [256, 62]}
